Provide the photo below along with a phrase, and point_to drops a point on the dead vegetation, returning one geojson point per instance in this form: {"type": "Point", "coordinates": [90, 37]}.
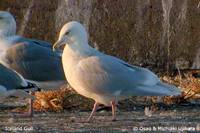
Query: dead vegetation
{"type": "Point", "coordinates": [67, 98]}
{"type": "Point", "coordinates": [60, 99]}
{"type": "Point", "coordinates": [189, 85]}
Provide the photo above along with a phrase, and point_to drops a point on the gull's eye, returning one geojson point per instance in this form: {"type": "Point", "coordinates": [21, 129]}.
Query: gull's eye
{"type": "Point", "coordinates": [67, 33]}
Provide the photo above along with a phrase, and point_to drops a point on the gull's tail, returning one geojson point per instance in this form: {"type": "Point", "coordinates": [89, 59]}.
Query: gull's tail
{"type": "Point", "coordinates": [159, 89]}
{"type": "Point", "coordinates": [22, 92]}
{"type": "Point", "coordinates": [170, 90]}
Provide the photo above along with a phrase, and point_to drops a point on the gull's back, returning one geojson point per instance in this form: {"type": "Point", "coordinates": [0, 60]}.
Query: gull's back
{"type": "Point", "coordinates": [35, 61]}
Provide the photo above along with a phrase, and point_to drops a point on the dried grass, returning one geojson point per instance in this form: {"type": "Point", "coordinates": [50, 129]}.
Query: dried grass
{"type": "Point", "coordinates": [189, 85]}
{"type": "Point", "coordinates": [59, 99]}
{"type": "Point", "coordinates": [67, 98]}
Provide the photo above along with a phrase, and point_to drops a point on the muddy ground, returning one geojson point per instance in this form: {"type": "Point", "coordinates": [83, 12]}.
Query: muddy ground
{"type": "Point", "coordinates": [181, 117]}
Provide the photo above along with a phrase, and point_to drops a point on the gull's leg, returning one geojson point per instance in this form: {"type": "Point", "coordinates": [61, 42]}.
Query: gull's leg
{"type": "Point", "coordinates": [93, 111]}
{"type": "Point", "coordinates": [113, 104]}
{"type": "Point", "coordinates": [26, 114]}
{"type": "Point", "coordinates": [148, 99]}
{"type": "Point", "coordinates": [30, 111]}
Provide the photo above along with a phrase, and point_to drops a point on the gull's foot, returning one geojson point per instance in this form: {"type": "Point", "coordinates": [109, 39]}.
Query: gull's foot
{"type": "Point", "coordinates": [114, 119]}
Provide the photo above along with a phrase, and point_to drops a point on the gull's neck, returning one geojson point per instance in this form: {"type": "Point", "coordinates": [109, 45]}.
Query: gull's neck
{"type": "Point", "coordinates": [7, 28]}
{"type": "Point", "coordinates": [80, 49]}
{"type": "Point", "coordinates": [9, 38]}
{"type": "Point", "coordinates": [7, 41]}
{"type": "Point", "coordinates": [6, 34]}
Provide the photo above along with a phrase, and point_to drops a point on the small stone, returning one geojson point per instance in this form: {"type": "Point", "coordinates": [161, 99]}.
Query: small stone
{"type": "Point", "coordinates": [148, 112]}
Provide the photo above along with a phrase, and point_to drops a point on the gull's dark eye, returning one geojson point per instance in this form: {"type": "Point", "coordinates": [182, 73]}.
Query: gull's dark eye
{"type": "Point", "coordinates": [66, 33]}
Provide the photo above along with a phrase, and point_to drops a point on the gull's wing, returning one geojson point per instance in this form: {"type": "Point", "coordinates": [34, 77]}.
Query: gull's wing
{"type": "Point", "coordinates": [109, 75]}
{"type": "Point", "coordinates": [35, 60]}
{"type": "Point", "coordinates": [20, 39]}
{"type": "Point", "coordinates": [13, 84]}
{"type": "Point", "coordinates": [10, 79]}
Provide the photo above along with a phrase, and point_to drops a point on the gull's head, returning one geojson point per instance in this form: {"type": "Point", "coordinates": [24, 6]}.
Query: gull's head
{"type": "Point", "coordinates": [7, 24]}
{"type": "Point", "coordinates": [72, 33]}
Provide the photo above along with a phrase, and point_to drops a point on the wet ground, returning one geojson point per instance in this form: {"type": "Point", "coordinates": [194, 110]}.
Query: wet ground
{"type": "Point", "coordinates": [182, 117]}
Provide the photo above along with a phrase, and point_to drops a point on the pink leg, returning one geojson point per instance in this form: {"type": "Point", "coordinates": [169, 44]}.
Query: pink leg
{"type": "Point", "coordinates": [113, 104]}
{"type": "Point", "coordinates": [26, 114]}
{"type": "Point", "coordinates": [30, 111]}
{"type": "Point", "coordinates": [93, 111]}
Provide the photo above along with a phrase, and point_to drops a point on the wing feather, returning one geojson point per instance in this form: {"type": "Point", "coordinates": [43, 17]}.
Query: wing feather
{"type": "Point", "coordinates": [107, 74]}
{"type": "Point", "coordinates": [35, 61]}
{"type": "Point", "coordinates": [10, 79]}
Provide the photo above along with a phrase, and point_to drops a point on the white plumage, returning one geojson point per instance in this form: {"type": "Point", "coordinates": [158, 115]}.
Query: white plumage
{"type": "Point", "coordinates": [104, 78]}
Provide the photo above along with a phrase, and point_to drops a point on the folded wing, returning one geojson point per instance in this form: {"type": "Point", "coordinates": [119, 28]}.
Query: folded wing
{"type": "Point", "coordinates": [107, 74]}
{"type": "Point", "coordinates": [35, 60]}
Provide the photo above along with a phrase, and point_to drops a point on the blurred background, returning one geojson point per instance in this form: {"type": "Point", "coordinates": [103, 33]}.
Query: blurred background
{"type": "Point", "coordinates": [159, 34]}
